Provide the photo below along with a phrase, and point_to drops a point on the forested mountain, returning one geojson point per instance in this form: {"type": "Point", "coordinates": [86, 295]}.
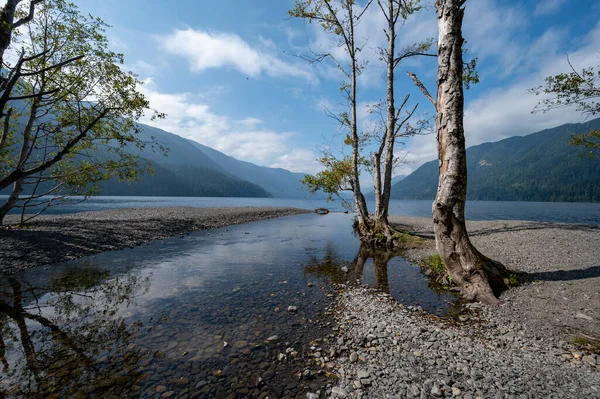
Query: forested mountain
{"type": "Point", "coordinates": [192, 169]}
{"type": "Point", "coordinates": [279, 182]}
{"type": "Point", "coordinates": [538, 167]}
{"type": "Point", "coordinates": [185, 181]}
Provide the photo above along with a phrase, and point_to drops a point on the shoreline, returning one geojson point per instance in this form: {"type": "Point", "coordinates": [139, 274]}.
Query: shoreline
{"type": "Point", "coordinates": [50, 239]}
{"type": "Point", "coordinates": [561, 294]}
{"type": "Point", "coordinates": [522, 347]}
{"type": "Point", "coordinates": [535, 344]}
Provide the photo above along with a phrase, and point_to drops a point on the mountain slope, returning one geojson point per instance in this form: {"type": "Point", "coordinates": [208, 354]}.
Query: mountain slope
{"type": "Point", "coordinates": [370, 191]}
{"type": "Point", "coordinates": [538, 167]}
{"type": "Point", "coordinates": [279, 182]}
{"type": "Point", "coordinates": [184, 181]}
{"type": "Point", "coordinates": [237, 178]}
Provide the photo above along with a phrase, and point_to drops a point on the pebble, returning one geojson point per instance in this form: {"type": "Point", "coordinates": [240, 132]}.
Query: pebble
{"type": "Point", "coordinates": [405, 353]}
{"type": "Point", "coordinates": [580, 315]}
{"type": "Point", "coordinates": [339, 392]}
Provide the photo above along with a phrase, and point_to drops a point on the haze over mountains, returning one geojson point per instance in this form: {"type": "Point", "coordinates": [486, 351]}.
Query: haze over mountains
{"type": "Point", "coordinates": [538, 167]}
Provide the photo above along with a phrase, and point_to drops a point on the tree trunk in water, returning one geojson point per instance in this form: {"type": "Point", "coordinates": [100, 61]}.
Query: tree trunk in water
{"type": "Point", "coordinates": [380, 262]}
{"type": "Point", "coordinates": [478, 277]}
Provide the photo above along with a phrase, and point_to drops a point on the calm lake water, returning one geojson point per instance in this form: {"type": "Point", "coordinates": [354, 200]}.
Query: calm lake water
{"type": "Point", "coordinates": [191, 314]}
{"type": "Point", "coordinates": [565, 212]}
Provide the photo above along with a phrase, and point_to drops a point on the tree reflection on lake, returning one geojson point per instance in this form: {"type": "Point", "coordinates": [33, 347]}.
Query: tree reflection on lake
{"type": "Point", "coordinates": [66, 337]}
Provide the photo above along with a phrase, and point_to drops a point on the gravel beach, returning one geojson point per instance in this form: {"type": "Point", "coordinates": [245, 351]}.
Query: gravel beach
{"type": "Point", "coordinates": [521, 349]}
{"type": "Point", "coordinates": [55, 238]}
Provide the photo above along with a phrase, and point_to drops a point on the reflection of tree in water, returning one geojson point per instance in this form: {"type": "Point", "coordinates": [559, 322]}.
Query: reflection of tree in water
{"type": "Point", "coordinates": [65, 337]}
{"type": "Point", "coordinates": [331, 266]}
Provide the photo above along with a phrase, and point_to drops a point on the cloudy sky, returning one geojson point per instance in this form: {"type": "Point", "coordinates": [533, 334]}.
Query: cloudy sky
{"type": "Point", "coordinates": [229, 74]}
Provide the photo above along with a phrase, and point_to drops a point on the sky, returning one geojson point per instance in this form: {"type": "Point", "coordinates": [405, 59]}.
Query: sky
{"type": "Point", "coordinates": [230, 73]}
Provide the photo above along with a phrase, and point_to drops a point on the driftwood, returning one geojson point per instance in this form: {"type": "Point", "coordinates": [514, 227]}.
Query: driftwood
{"type": "Point", "coordinates": [321, 211]}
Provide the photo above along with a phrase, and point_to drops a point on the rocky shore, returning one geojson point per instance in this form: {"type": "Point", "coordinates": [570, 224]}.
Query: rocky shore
{"type": "Point", "coordinates": [542, 342]}
{"type": "Point", "coordinates": [55, 238]}
{"type": "Point", "coordinates": [390, 351]}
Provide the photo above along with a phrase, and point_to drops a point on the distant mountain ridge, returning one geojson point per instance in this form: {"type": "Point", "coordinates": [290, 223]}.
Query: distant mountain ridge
{"type": "Point", "coordinates": [540, 166]}
{"type": "Point", "coordinates": [193, 169]}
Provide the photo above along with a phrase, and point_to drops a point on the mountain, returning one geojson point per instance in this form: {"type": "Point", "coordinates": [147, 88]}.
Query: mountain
{"type": "Point", "coordinates": [279, 182]}
{"type": "Point", "coordinates": [538, 167]}
{"type": "Point", "coordinates": [192, 169]}
{"type": "Point", "coordinates": [184, 181]}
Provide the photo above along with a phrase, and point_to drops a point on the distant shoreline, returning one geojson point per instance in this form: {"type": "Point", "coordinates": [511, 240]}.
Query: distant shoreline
{"type": "Point", "coordinates": [55, 238]}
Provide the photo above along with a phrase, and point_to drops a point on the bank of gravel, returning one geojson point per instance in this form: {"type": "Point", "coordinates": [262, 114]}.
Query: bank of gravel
{"type": "Point", "coordinates": [521, 349]}
{"type": "Point", "coordinates": [561, 297]}
{"type": "Point", "coordinates": [55, 238]}
{"type": "Point", "coordinates": [389, 351]}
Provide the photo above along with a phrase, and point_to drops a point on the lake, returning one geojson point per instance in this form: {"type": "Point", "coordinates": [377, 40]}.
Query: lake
{"type": "Point", "coordinates": [564, 212]}
{"type": "Point", "coordinates": [208, 313]}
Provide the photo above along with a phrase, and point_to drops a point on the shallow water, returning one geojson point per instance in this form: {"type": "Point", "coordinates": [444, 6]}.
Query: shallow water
{"type": "Point", "coordinates": [190, 314]}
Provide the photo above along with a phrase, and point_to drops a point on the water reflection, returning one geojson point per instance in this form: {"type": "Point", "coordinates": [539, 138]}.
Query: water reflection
{"type": "Point", "coordinates": [190, 316]}
{"type": "Point", "coordinates": [64, 336]}
{"type": "Point", "coordinates": [377, 267]}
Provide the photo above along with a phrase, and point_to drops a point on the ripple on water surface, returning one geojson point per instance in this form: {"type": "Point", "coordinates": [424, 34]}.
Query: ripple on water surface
{"type": "Point", "coordinates": [205, 315]}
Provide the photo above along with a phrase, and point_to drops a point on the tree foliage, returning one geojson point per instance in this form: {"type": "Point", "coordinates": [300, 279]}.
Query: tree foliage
{"type": "Point", "coordinates": [68, 109]}
{"type": "Point", "coordinates": [578, 89]}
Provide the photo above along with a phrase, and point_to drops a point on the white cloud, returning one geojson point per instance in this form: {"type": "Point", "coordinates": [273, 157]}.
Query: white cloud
{"type": "Point", "coordinates": [546, 7]}
{"type": "Point", "coordinates": [143, 69]}
{"type": "Point", "coordinates": [204, 51]}
{"type": "Point", "coordinates": [299, 160]}
{"type": "Point", "coordinates": [247, 139]}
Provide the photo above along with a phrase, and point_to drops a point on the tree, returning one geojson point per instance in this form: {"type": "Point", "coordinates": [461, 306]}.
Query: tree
{"type": "Point", "coordinates": [343, 174]}
{"type": "Point", "coordinates": [397, 120]}
{"type": "Point", "coordinates": [478, 277]}
{"type": "Point", "coordinates": [68, 111]}
{"type": "Point", "coordinates": [342, 23]}
{"type": "Point", "coordinates": [574, 89]}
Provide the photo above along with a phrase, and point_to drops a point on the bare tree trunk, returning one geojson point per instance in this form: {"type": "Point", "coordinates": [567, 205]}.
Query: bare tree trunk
{"type": "Point", "coordinates": [7, 17]}
{"type": "Point", "coordinates": [478, 277]}
{"type": "Point", "coordinates": [19, 183]}
{"type": "Point", "coordinates": [377, 181]}
{"type": "Point", "coordinates": [381, 216]}
{"type": "Point", "coordinates": [360, 203]}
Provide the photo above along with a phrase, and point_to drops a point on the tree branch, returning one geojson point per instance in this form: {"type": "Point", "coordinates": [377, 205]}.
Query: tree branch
{"type": "Point", "coordinates": [30, 16]}
{"type": "Point", "coordinates": [422, 87]}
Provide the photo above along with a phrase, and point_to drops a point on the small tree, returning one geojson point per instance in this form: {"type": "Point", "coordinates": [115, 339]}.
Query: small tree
{"type": "Point", "coordinates": [574, 89]}
{"type": "Point", "coordinates": [68, 111]}
{"type": "Point", "coordinates": [343, 175]}
{"type": "Point", "coordinates": [341, 22]}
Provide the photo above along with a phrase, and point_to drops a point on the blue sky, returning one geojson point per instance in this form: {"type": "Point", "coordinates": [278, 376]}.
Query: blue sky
{"type": "Point", "coordinates": [228, 75]}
